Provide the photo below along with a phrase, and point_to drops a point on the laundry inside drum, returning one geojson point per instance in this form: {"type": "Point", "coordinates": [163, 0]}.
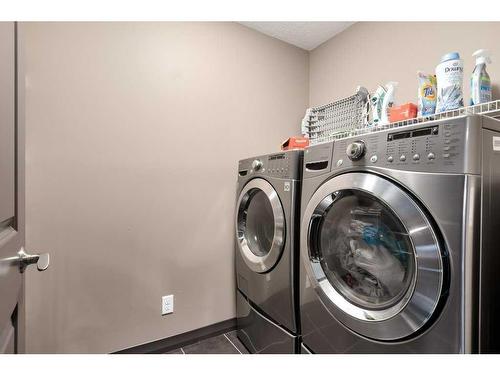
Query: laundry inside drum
{"type": "Point", "coordinates": [366, 252]}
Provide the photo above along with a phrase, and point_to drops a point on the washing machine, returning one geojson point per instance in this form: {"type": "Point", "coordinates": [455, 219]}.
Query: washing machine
{"type": "Point", "coordinates": [267, 255]}
{"type": "Point", "coordinates": [399, 240]}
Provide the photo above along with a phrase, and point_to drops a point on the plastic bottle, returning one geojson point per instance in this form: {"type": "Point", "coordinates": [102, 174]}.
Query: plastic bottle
{"type": "Point", "coordinates": [426, 94]}
{"type": "Point", "coordinates": [480, 83]}
{"type": "Point", "coordinates": [388, 101]}
{"type": "Point", "coordinates": [450, 76]}
{"type": "Point", "coordinates": [377, 100]}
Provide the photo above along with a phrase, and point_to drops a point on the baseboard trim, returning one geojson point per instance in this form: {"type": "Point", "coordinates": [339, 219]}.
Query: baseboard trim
{"type": "Point", "coordinates": [183, 339]}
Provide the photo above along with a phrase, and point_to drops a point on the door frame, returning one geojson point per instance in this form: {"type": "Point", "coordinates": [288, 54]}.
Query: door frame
{"type": "Point", "coordinates": [12, 255]}
{"type": "Point", "coordinates": [20, 175]}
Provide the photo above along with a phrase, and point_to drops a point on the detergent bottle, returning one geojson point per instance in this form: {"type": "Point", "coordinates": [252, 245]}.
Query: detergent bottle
{"type": "Point", "coordinates": [449, 74]}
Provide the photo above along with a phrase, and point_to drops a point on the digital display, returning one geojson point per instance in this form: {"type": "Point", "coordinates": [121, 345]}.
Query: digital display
{"type": "Point", "coordinates": [418, 133]}
{"type": "Point", "coordinates": [433, 130]}
{"type": "Point", "coordinates": [396, 136]}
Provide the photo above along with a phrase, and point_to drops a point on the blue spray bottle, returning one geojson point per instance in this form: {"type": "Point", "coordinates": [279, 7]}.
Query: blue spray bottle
{"type": "Point", "coordinates": [480, 83]}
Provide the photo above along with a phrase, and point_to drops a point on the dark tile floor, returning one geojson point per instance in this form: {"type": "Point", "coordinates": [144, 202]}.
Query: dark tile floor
{"type": "Point", "coordinates": [226, 343]}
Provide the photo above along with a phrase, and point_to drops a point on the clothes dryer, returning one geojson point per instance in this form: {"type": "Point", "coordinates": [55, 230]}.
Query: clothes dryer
{"type": "Point", "coordinates": [267, 254]}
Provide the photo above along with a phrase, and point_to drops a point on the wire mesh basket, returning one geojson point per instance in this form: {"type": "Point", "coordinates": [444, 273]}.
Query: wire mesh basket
{"type": "Point", "coordinates": [323, 123]}
{"type": "Point", "coordinates": [491, 108]}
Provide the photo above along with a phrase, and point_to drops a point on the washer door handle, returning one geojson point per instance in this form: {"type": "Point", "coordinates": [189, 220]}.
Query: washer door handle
{"type": "Point", "coordinates": [314, 253]}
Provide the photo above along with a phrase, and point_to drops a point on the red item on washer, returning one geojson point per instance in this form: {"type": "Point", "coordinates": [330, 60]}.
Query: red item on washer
{"type": "Point", "coordinates": [403, 112]}
{"type": "Point", "coordinates": [295, 143]}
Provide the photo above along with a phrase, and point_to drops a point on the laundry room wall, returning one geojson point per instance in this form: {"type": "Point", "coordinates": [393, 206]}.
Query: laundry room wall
{"type": "Point", "coordinates": [373, 53]}
{"type": "Point", "coordinates": [133, 133]}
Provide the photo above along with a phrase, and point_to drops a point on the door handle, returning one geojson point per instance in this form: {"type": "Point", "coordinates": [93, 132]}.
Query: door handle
{"type": "Point", "coordinates": [314, 253]}
{"type": "Point", "coordinates": [42, 261]}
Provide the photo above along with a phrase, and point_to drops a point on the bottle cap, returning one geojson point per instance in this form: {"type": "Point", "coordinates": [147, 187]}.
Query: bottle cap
{"type": "Point", "coordinates": [482, 56]}
{"type": "Point", "coordinates": [450, 56]}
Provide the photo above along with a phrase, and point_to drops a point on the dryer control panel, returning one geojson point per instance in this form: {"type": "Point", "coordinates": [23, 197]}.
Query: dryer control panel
{"type": "Point", "coordinates": [286, 165]}
{"type": "Point", "coordinates": [437, 146]}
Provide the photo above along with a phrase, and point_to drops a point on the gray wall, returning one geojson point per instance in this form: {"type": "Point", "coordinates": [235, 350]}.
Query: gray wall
{"type": "Point", "coordinates": [373, 53]}
{"type": "Point", "coordinates": [133, 133]}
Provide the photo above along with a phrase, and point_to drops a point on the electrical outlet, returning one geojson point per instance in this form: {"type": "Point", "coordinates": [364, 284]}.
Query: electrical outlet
{"type": "Point", "coordinates": [167, 304]}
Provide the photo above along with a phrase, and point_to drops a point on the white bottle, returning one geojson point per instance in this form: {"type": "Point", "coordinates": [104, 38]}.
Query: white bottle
{"type": "Point", "coordinates": [480, 83]}
{"type": "Point", "coordinates": [388, 101]}
{"type": "Point", "coordinates": [450, 77]}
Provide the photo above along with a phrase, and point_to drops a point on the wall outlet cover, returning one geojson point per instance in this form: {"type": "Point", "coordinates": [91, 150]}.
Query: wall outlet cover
{"type": "Point", "coordinates": [167, 304]}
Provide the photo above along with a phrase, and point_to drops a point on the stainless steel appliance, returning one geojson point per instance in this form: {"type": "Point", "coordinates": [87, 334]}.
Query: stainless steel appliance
{"type": "Point", "coordinates": [267, 252]}
{"type": "Point", "coordinates": [399, 239]}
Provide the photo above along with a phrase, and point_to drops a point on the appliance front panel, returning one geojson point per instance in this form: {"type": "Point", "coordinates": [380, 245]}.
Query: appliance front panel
{"type": "Point", "coordinates": [448, 200]}
{"type": "Point", "coordinates": [372, 256]}
{"type": "Point", "coordinates": [274, 292]}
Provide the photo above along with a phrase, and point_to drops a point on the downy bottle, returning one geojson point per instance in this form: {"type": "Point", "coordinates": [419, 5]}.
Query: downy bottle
{"type": "Point", "coordinates": [449, 74]}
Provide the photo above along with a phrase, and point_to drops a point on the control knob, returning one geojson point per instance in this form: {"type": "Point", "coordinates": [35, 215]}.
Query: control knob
{"type": "Point", "coordinates": [256, 165]}
{"type": "Point", "coordinates": [356, 150]}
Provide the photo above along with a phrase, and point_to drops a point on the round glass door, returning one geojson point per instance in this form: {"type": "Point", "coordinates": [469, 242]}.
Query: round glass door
{"type": "Point", "coordinates": [364, 249]}
{"type": "Point", "coordinates": [372, 256]}
{"type": "Point", "coordinates": [260, 225]}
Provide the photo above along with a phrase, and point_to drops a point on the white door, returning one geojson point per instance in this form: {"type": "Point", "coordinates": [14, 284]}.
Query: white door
{"type": "Point", "coordinates": [13, 259]}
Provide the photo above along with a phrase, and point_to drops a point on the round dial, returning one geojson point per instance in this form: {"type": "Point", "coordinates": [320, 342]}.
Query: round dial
{"type": "Point", "coordinates": [356, 150]}
{"type": "Point", "coordinates": [256, 165]}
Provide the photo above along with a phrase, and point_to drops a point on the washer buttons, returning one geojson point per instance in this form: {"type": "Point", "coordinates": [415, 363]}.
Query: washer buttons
{"type": "Point", "coordinates": [431, 156]}
{"type": "Point", "coordinates": [447, 134]}
{"type": "Point", "coordinates": [446, 155]}
{"type": "Point", "coordinates": [416, 157]}
{"type": "Point", "coordinates": [374, 159]}
{"type": "Point", "coordinates": [339, 162]}
{"type": "Point", "coordinates": [446, 148]}
{"type": "Point", "coordinates": [447, 141]}
{"type": "Point", "coordinates": [402, 158]}
{"type": "Point", "coordinates": [390, 159]}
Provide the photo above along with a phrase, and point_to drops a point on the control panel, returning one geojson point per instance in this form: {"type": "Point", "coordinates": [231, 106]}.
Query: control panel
{"type": "Point", "coordinates": [438, 146]}
{"type": "Point", "coordinates": [280, 165]}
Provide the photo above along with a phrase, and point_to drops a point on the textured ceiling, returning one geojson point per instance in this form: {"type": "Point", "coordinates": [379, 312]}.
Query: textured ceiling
{"type": "Point", "coordinates": [306, 35]}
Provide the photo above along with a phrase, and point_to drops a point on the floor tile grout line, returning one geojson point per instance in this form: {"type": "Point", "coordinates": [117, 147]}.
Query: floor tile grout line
{"type": "Point", "coordinates": [183, 352]}
{"type": "Point", "coordinates": [232, 343]}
